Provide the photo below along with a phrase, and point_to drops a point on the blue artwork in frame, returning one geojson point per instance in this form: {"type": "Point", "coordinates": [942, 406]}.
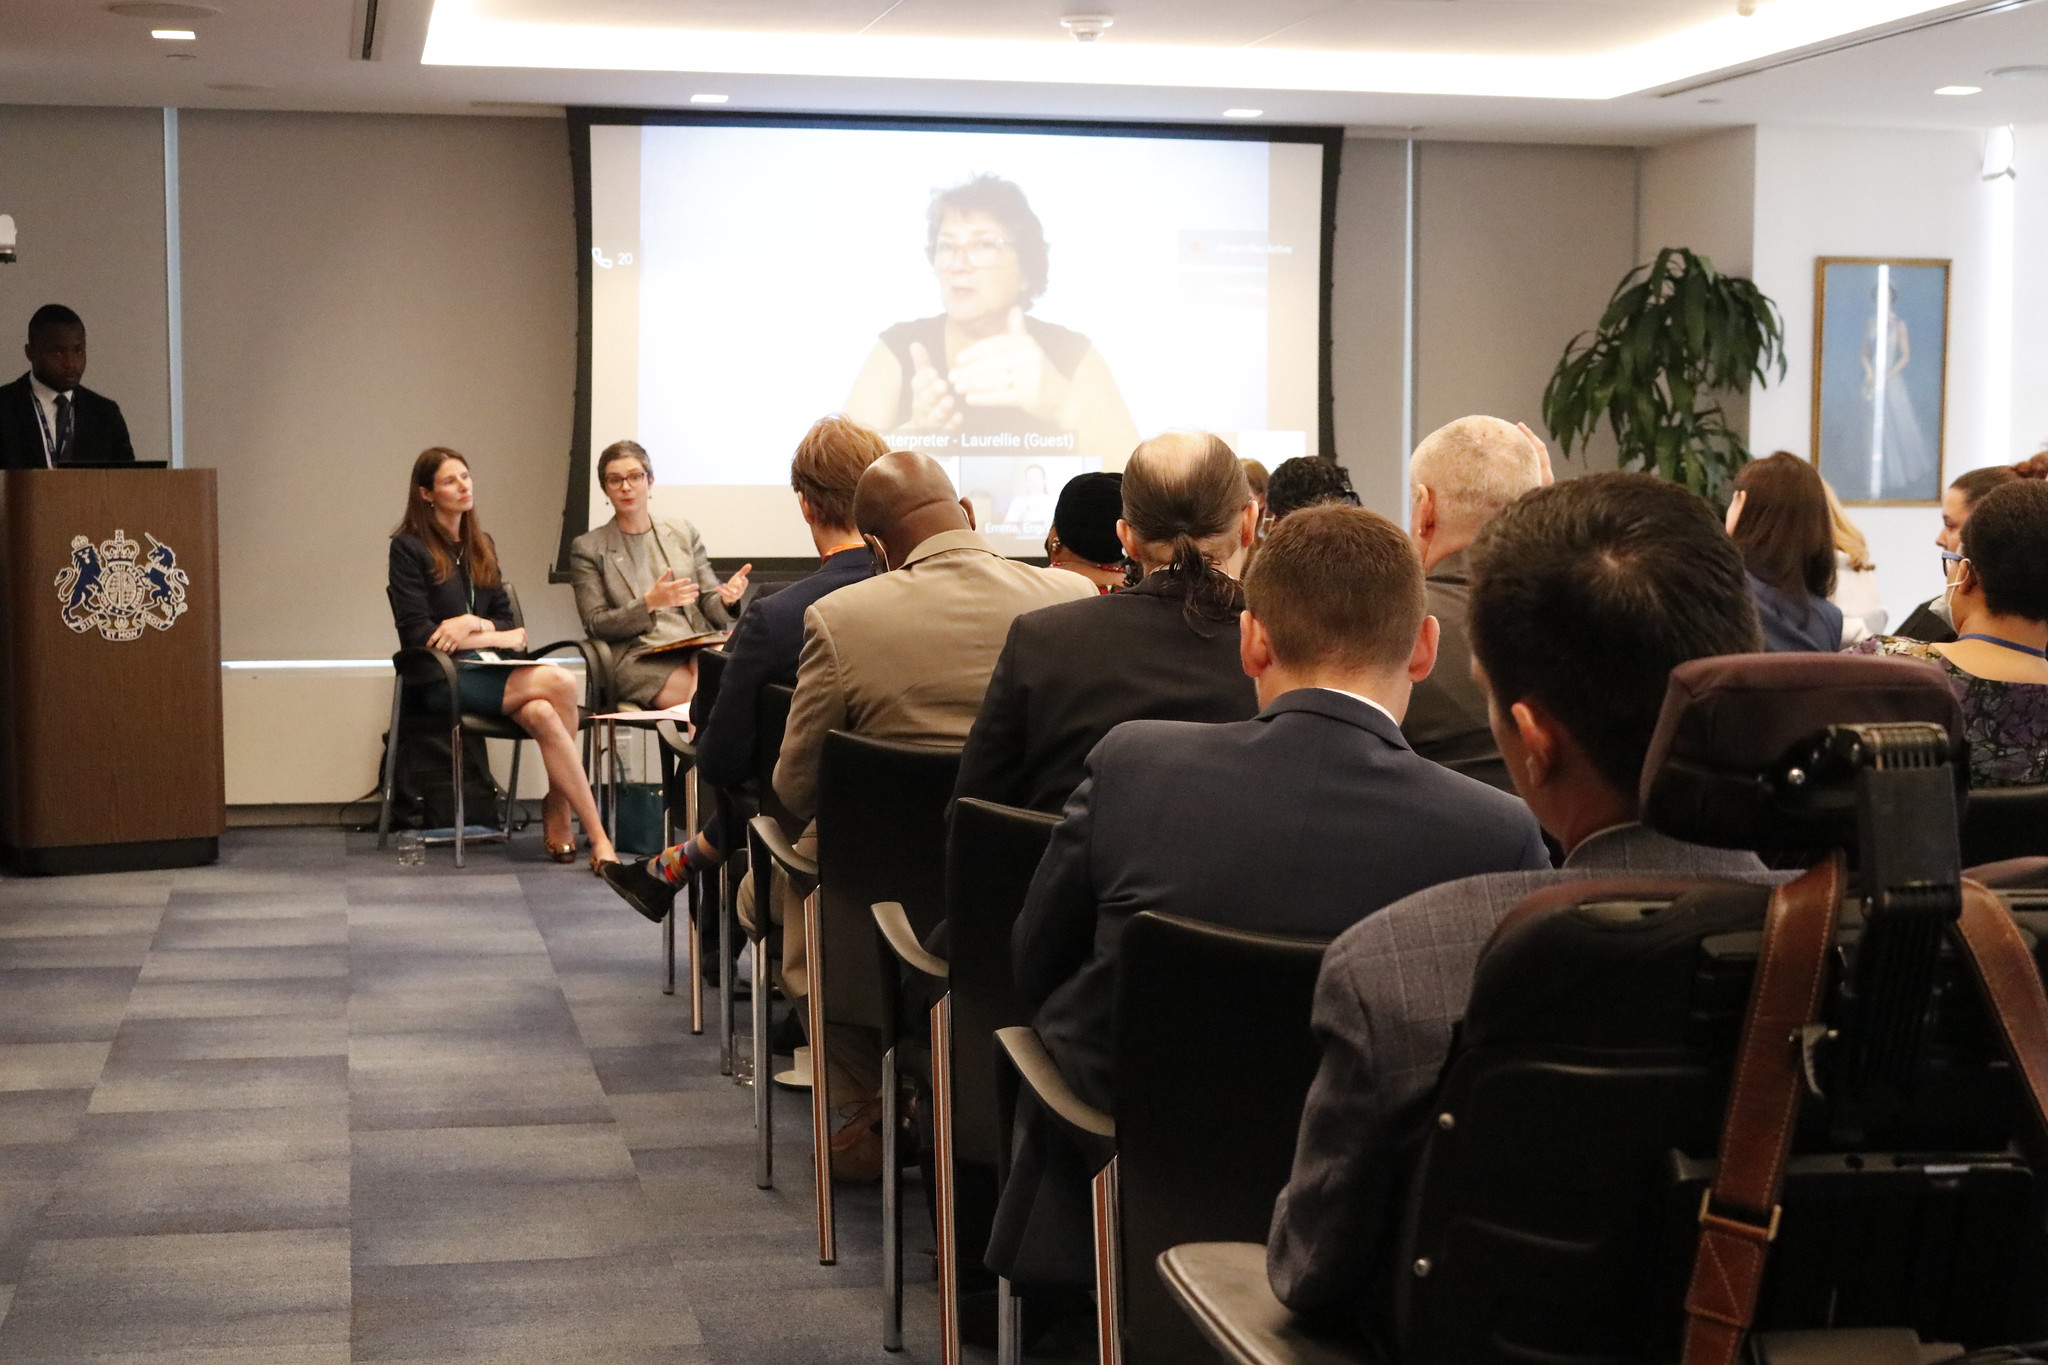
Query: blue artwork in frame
{"type": "Point", "coordinates": [1880, 377]}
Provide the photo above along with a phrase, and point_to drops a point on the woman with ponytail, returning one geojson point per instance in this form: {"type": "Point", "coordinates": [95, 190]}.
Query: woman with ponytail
{"type": "Point", "coordinates": [1163, 649]}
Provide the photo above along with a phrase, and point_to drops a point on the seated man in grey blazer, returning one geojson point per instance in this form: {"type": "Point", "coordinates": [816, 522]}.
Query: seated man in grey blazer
{"type": "Point", "coordinates": [905, 655]}
{"type": "Point", "coordinates": [1585, 596]}
{"type": "Point", "coordinates": [1461, 477]}
{"type": "Point", "coordinates": [1303, 820]}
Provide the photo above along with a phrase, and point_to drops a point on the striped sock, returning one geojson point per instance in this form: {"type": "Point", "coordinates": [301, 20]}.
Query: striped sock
{"type": "Point", "coordinates": [672, 864]}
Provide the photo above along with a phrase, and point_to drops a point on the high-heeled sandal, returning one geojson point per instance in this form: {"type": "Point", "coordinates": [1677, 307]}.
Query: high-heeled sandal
{"type": "Point", "coordinates": [563, 852]}
{"type": "Point", "coordinates": [597, 864]}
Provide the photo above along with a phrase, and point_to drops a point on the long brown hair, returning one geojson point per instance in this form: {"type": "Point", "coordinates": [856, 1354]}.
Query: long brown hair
{"type": "Point", "coordinates": [475, 551]}
{"type": "Point", "coordinates": [1786, 536]}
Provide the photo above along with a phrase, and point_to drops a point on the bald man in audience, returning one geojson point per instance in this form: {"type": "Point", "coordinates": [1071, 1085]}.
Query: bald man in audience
{"type": "Point", "coordinates": [905, 655]}
{"type": "Point", "coordinates": [1461, 477]}
{"type": "Point", "coordinates": [1302, 820]}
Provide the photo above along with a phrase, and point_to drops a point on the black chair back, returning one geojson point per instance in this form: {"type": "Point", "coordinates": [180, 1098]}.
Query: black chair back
{"type": "Point", "coordinates": [771, 718]}
{"type": "Point", "coordinates": [991, 853]}
{"type": "Point", "coordinates": [881, 837]}
{"type": "Point", "coordinates": [2005, 822]}
{"type": "Point", "coordinates": [1213, 1063]}
{"type": "Point", "coordinates": [710, 673]}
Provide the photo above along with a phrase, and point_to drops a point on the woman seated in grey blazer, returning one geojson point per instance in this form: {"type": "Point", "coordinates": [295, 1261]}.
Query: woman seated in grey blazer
{"type": "Point", "coordinates": [642, 583]}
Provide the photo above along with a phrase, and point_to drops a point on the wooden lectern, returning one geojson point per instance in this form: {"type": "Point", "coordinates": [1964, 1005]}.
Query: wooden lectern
{"type": "Point", "coordinates": [110, 729]}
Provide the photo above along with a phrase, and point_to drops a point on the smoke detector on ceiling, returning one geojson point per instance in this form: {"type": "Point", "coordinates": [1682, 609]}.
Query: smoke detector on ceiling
{"type": "Point", "coordinates": [1086, 28]}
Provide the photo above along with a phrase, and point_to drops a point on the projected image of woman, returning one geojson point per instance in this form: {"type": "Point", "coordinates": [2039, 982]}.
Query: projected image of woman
{"type": "Point", "coordinates": [984, 368]}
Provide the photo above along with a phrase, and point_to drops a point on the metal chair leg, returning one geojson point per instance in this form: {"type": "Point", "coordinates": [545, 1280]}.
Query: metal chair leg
{"type": "Point", "coordinates": [668, 950]}
{"type": "Point", "coordinates": [455, 748]}
{"type": "Point", "coordinates": [696, 948]}
{"type": "Point", "coordinates": [1109, 1278]}
{"type": "Point", "coordinates": [892, 1211]}
{"type": "Point", "coordinates": [821, 1107]}
{"type": "Point", "coordinates": [390, 764]}
{"type": "Point", "coordinates": [764, 1072]}
{"type": "Point", "coordinates": [1009, 1326]}
{"type": "Point", "coordinates": [728, 900]}
{"type": "Point", "coordinates": [942, 1168]}
{"type": "Point", "coordinates": [512, 792]}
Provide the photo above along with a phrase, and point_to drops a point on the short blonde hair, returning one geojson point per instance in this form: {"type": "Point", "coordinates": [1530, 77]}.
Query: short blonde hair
{"type": "Point", "coordinates": [1476, 466]}
{"type": "Point", "coordinates": [829, 461]}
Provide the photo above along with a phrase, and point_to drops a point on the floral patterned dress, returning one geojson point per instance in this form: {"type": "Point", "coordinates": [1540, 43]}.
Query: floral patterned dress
{"type": "Point", "coordinates": [2006, 722]}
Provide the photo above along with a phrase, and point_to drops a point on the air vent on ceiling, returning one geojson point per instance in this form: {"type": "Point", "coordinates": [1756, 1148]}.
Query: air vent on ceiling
{"type": "Point", "coordinates": [363, 48]}
{"type": "Point", "coordinates": [163, 11]}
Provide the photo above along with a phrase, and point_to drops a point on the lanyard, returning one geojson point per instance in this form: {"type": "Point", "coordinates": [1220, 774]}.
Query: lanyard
{"type": "Point", "coordinates": [2004, 643]}
{"type": "Point", "coordinates": [49, 436]}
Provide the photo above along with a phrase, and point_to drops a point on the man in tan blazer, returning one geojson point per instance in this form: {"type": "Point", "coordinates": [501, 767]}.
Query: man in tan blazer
{"type": "Point", "coordinates": [905, 655]}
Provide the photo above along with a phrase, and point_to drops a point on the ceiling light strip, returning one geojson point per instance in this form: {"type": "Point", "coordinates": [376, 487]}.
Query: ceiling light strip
{"type": "Point", "coordinates": [1845, 44]}
{"type": "Point", "coordinates": [464, 33]}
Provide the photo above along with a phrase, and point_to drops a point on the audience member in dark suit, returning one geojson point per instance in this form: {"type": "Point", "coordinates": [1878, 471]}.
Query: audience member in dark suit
{"type": "Point", "coordinates": [1460, 478]}
{"type": "Point", "coordinates": [1083, 535]}
{"type": "Point", "coordinates": [48, 417]}
{"type": "Point", "coordinates": [1163, 650]}
{"type": "Point", "coordinates": [1779, 520]}
{"type": "Point", "coordinates": [1585, 595]}
{"type": "Point", "coordinates": [447, 594]}
{"type": "Point", "coordinates": [1303, 820]}
{"type": "Point", "coordinates": [764, 647]}
{"type": "Point", "coordinates": [1930, 622]}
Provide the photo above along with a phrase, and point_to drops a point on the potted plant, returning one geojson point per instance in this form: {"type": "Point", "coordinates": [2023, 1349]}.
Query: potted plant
{"type": "Point", "coordinates": [1676, 333]}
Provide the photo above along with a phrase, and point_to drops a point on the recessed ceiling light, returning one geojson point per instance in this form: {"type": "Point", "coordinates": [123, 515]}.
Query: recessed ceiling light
{"type": "Point", "coordinates": [709, 99]}
{"type": "Point", "coordinates": [1960, 90]}
{"type": "Point", "coordinates": [1710, 101]}
{"type": "Point", "coordinates": [2021, 73]}
{"type": "Point", "coordinates": [174, 35]}
{"type": "Point", "coordinates": [156, 11]}
{"type": "Point", "coordinates": [1243, 113]}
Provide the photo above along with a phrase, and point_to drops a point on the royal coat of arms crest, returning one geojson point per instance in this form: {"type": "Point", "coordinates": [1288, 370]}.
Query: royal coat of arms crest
{"type": "Point", "coordinates": [116, 587]}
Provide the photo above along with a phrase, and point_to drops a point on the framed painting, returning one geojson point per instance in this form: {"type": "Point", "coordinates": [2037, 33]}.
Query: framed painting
{"type": "Point", "coordinates": [1880, 377]}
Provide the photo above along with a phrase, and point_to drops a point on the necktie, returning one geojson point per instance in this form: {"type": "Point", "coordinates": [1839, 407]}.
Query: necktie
{"type": "Point", "coordinates": [61, 448]}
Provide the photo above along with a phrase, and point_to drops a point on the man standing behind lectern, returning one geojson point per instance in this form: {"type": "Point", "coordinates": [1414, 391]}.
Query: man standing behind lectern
{"type": "Point", "coordinates": [47, 417]}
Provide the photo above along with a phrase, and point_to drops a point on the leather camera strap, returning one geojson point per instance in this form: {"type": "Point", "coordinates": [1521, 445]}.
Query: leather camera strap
{"type": "Point", "coordinates": [1739, 1216]}
{"type": "Point", "coordinates": [2005, 969]}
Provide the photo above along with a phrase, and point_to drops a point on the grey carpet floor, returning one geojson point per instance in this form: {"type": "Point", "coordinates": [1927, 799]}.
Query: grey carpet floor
{"type": "Point", "coordinates": [307, 1106]}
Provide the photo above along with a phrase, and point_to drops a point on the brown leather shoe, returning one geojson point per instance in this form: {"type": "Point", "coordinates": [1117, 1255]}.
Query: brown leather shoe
{"type": "Point", "coordinates": [857, 1148]}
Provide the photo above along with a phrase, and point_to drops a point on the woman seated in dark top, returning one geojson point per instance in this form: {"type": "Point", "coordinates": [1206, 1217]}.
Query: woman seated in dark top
{"type": "Point", "coordinates": [447, 594]}
{"type": "Point", "coordinates": [1083, 535]}
{"type": "Point", "coordinates": [1998, 595]}
{"type": "Point", "coordinates": [1165, 649]}
{"type": "Point", "coordinates": [1779, 520]}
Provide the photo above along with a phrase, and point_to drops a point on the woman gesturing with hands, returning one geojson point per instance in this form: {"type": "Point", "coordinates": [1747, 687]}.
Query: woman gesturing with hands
{"type": "Point", "coordinates": [644, 585]}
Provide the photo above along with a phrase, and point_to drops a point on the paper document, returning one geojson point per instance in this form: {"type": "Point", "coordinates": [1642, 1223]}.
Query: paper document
{"type": "Point", "coordinates": [701, 640]}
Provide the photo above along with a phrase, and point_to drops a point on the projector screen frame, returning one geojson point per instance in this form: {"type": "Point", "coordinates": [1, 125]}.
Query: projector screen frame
{"type": "Point", "coordinates": [576, 506]}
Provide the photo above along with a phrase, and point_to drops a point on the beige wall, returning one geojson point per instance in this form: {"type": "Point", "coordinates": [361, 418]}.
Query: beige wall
{"type": "Point", "coordinates": [1518, 250]}
{"type": "Point", "coordinates": [86, 188]}
{"type": "Point", "coordinates": [1701, 193]}
{"type": "Point", "coordinates": [357, 288]}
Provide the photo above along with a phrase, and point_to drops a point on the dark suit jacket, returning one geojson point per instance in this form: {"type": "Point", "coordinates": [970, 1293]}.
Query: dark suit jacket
{"type": "Point", "coordinates": [1446, 720]}
{"type": "Point", "coordinates": [1069, 674]}
{"type": "Point", "coordinates": [1303, 820]}
{"type": "Point", "coordinates": [98, 431]}
{"type": "Point", "coordinates": [764, 649]}
{"type": "Point", "coordinates": [418, 603]}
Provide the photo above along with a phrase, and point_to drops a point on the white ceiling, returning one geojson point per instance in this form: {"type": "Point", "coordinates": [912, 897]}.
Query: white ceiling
{"type": "Point", "coordinates": [302, 54]}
